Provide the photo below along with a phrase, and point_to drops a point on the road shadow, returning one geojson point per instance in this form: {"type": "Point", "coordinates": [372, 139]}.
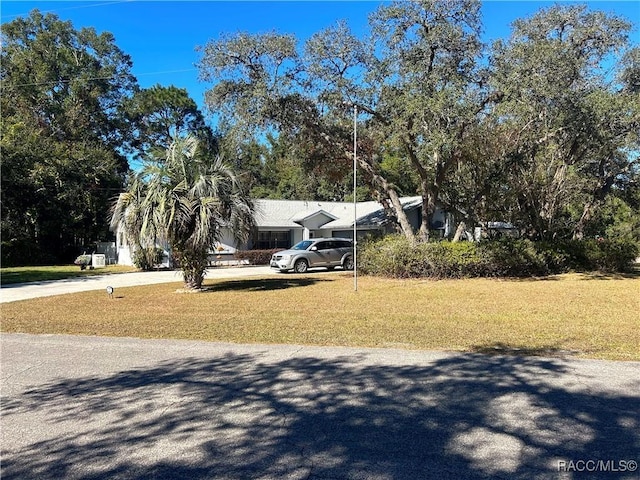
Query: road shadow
{"type": "Point", "coordinates": [240, 416]}
{"type": "Point", "coordinates": [262, 284]}
{"type": "Point", "coordinates": [49, 279]}
{"type": "Point", "coordinates": [36, 276]}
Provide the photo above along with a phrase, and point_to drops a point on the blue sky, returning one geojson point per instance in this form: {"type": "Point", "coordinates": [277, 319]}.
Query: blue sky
{"type": "Point", "coordinates": [161, 36]}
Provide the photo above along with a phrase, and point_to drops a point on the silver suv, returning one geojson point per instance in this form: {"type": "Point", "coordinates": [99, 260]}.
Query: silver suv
{"type": "Point", "coordinates": [317, 252]}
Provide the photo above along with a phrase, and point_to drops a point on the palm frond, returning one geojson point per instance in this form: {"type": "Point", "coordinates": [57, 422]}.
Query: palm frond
{"type": "Point", "coordinates": [188, 199]}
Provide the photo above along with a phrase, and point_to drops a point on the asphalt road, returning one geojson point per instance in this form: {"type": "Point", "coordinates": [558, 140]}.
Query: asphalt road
{"type": "Point", "coordinates": [92, 408]}
{"type": "Point", "coordinates": [120, 408]}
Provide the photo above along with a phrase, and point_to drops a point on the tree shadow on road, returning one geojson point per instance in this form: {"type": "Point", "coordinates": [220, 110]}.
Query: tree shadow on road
{"type": "Point", "coordinates": [242, 416]}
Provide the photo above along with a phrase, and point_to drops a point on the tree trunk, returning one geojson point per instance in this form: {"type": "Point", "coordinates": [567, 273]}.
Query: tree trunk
{"type": "Point", "coordinates": [193, 265]}
{"type": "Point", "coordinates": [427, 209]}
{"type": "Point", "coordinates": [427, 202]}
{"type": "Point", "coordinates": [193, 280]}
{"type": "Point", "coordinates": [390, 192]}
{"type": "Point", "coordinates": [459, 231]}
{"type": "Point", "coordinates": [587, 212]}
{"type": "Point", "coordinates": [407, 229]}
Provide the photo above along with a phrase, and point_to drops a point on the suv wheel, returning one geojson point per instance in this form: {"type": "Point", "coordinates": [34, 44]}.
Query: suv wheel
{"type": "Point", "coordinates": [348, 263]}
{"type": "Point", "coordinates": [301, 266]}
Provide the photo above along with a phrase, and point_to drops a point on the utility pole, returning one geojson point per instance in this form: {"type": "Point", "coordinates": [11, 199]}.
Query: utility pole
{"type": "Point", "coordinates": [355, 216]}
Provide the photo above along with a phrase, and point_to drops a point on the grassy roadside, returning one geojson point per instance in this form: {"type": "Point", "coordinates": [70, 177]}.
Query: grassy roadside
{"type": "Point", "coordinates": [581, 315]}
{"type": "Point", "coordinates": [12, 275]}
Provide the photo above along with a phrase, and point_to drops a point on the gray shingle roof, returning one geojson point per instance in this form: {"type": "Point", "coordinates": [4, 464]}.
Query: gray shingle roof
{"type": "Point", "coordinates": [287, 213]}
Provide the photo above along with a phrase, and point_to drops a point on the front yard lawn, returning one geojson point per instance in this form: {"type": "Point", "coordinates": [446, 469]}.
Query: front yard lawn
{"type": "Point", "coordinates": [575, 314]}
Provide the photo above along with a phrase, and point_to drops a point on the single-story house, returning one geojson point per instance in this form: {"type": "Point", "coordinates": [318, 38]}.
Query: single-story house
{"type": "Point", "coordinates": [283, 223]}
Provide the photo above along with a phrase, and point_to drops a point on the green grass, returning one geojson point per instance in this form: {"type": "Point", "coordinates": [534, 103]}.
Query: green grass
{"type": "Point", "coordinates": [40, 274]}
{"type": "Point", "coordinates": [580, 315]}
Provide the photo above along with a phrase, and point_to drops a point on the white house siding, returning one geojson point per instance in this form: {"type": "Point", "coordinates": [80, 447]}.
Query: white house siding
{"type": "Point", "coordinates": [297, 236]}
{"type": "Point", "coordinates": [124, 251]}
{"type": "Point", "coordinates": [227, 244]}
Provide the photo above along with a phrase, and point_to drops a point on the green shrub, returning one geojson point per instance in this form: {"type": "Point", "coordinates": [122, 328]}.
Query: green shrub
{"type": "Point", "coordinates": [508, 257]}
{"type": "Point", "coordinates": [610, 255]}
{"type": "Point", "coordinates": [387, 256]}
{"type": "Point", "coordinates": [147, 258]}
{"type": "Point", "coordinates": [451, 260]}
{"type": "Point", "coordinates": [556, 256]}
{"type": "Point", "coordinates": [395, 256]}
{"type": "Point", "coordinates": [257, 257]}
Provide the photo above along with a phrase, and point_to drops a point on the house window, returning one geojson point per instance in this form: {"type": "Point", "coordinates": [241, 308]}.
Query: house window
{"type": "Point", "coordinates": [123, 240]}
{"type": "Point", "coordinates": [273, 239]}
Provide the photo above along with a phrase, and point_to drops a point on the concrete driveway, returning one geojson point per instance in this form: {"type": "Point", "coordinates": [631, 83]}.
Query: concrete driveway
{"type": "Point", "coordinates": [25, 291]}
{"type": "Point", "coordinates": [112, 408]}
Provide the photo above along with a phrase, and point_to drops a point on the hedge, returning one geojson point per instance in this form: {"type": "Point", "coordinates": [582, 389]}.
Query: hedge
{"type": "Point", "coordinates": [395, 256]}
{"type": "Point", "coordinates": [257, 257]}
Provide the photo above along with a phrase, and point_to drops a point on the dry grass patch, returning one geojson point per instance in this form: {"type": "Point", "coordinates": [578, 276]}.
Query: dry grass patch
{"type": "Point", "coordinates": [568, 314]}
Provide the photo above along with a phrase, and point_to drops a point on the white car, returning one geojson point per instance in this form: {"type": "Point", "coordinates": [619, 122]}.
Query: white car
{"type": "Point", "coordinates": [317, 252]}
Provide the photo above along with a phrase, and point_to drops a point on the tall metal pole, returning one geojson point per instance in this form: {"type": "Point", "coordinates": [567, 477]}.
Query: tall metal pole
{"type": "Point", "coordinates": [355, 216]}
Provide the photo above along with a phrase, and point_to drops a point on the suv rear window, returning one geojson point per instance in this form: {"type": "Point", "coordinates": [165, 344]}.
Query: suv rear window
{"type": "Point", "coordinates": [325, 245]}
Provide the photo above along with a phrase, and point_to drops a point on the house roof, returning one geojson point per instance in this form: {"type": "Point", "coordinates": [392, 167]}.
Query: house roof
{"type": "Point", "coordinates": [290, 213]}
{"type": "Point", "coordinates": [317, 213]}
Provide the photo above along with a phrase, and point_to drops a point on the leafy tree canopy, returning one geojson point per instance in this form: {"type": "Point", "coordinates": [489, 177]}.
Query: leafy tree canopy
{"type": "Point", "coordinates": [532, 129]}
{"type": "Point", "coordinates": [63, 136]}
{"type": "Point", "coordinates": [572, 131]}
{"type": "Point", "coordinates": [160, 114]}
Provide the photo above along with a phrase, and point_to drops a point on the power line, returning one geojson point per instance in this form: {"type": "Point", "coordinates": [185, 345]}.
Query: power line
{"type": "Point", "coordinates": [90, 79]}
{"type": "Point", "coordinates": [70, 8]}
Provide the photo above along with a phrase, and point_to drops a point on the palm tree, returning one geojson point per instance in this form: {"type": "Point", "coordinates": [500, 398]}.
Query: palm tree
{"type": "Point", "coordinates": [188, 198]}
